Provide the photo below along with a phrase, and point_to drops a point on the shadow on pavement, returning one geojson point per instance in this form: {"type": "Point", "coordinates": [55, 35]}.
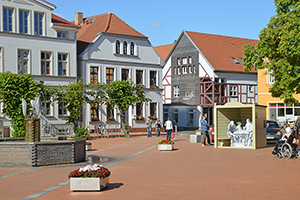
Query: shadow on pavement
{"type": "Point", "coordinates": [111, 186]}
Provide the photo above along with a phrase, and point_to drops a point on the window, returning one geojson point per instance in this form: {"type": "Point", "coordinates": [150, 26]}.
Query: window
{"type": "Point", "coordinates": [125, 74]}
{"type": "Point", "coordinates": [62, 64]}
{"type": "Point", "coordinates": [110, 112]}
{"type": "Point", "coordinates": [1, 49]}
{"type": "Point", "coordinates": [23, 57]}
{"type": "Point", "coordinates": [233, 90]}
{"type": "Point", "coordinates": [251, 89]}
{"type": "Point", "coordinates": [94, 74]}
{"type": "Point", "coordinates": [117, 47]}
{"type": "Point", "coordinates": [176, 91]}
{"type": "Point", "coordinates": [46, 106]}
{"type": "Point", "coordinates": [45, 63]}
{"type": "Point", "coordinates": [175, 70]}
{"type": "Point", "coordinates": [190, 60]}
{"type": "Point", "coordinates": [61, 34]}
{"type": "Point", "coordinates": [153, 108]}
{"type": "Point", "coordinates": [194, 69]}
{"type": "Point", "coordinates": [190, 117]}
{"type": "Point", "coordinates": [131, 48]}
{"type": "Point", "coordinates": [175, 115]}
{"type": "Point", "coordinates": [184, 61]}
{"type": "Point", "coordinates": [271, 77]}
{"type": "Point", "coordinates": [139, 77]}
{"type": "Point", "coordinates": [94, 111]}
{"type": "Point", "coordinates": [23, 21]}
{"type": "Point", "coordinates": [178, 61]}
{"type": "Point", "coordinates": [241, 60]}
{"type": "Point", "coordinates": [61, 109]}
{"type": "Point", "coordinates": [235, 60]}
{"type": "Point", "coordinates": [178, 70]}
{"type": "Point", "coordinates": [38, 23]}
{"type": "Point", "coordinates": [184, 70]}
{"type": "Point", "coordinates": [152, 78]}
{"type": "Point", "coordinates": [189, 69]}
{"type": "Point", "coordinates": [124, 47]}
{"type": "Point", "coordinates": [109, 75]}
{"type": "Point", "coordinates": [166, 114]}
{"type": "Point", "coordinates": [139, 109]}
{"type": "Point", "coordinates": [7, 19]}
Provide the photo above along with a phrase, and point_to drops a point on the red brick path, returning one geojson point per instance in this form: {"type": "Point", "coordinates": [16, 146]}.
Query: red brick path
{"type": "Point", "coordinates": [188, 172]}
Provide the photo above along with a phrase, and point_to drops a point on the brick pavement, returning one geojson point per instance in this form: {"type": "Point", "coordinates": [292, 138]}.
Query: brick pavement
{"type": "Point", "coordinates": [188, 172]}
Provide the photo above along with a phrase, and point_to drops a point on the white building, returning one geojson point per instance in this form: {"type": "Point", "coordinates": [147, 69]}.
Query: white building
{"type": "Point", "coordinates": [35, 41]}
{"type": "Point", "coordinates": [202, 70]}
{"type": "Point", "coordinates": [108, 50]}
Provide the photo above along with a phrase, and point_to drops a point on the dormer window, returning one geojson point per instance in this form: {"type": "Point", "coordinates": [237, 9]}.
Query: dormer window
{"type": "Point", "coordinates": [124, 47]}
{"type": "Point", "coordinates": [61, 34]}
{"type": "Point", "coordinates": [117, 47]}
{"type": "Point", "coordinates": [131, 48]}
{"type": "Point", "coordinates": [235, 60]}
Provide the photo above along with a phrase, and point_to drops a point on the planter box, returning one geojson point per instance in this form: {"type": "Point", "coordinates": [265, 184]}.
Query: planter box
{"type": "Point", "coordinates": [88, 147]}
{"type": "Point", "coordinates": [88, 184]}
{"type": "Point", "coordinates": [165, 147]}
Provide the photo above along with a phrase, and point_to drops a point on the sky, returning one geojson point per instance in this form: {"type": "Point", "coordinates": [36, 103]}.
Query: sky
{"type": "Point", "coordinates": [162, 21]}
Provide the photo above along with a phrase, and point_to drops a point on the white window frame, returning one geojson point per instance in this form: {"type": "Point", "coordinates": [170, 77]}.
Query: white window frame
{"type": "Point", "coordinates": [113, 74]}
{"type": "Point", "coordinates": [155, 105]}
{"type": "Point", "coordinates": [233, 90]}
{"type": "Point", "coordinates": [251, 88]}
{"type": "Point", "coordinates": [175, 70]}
{"type": "Point", "coordinates": [176, 91]}
{"type": "Point", "coordinates": [194, 69]}
{"type": "Point", "coordinates": [23, 59]}
{"type": "Point", "coordinates": [45, 60]}
{"type": "Point", "coordinates": [65, 112]}
{"type": "Point", "coordinates": [190, 60]}
{"type": "Point", "coordinates": [271, 78]}
{"type": "Point", "coordinates": [23, 21]}
{"type": "Point", "coordinates": [178, 61]}
{"type": "Point", "coordinates": [178, 71]}
{"type": "Point", "coordinates": [156, 73]}
{"type": "Point", "coordinates": [62, 34]}
{"type": "Point", "coordinates": [40, 28]}
{"type": "Point", "coordinates": [7, 22]}
{"type": "Point", "coordinates": [143, 77]}
{"type": "Point", "coordinates": [184, 70]}
{"type": "Point", "coordinates": [1, 59]}
{"type": "Point", "coordinates": [66, 61]}
{"type": "Point", "coordinates": [45, 108]}
{"type": "Point", "coordinates": [184, 60]}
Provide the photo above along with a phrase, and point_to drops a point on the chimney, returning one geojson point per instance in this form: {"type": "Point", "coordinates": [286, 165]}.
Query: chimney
{"type": "Point", "coordinates": [78, 18]}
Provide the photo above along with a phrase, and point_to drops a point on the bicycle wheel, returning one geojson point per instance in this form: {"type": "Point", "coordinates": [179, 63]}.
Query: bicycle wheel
{"type": "Point", "coordinates": [297, 152]}
{"type": "Point", "coordinates": [286, 150]}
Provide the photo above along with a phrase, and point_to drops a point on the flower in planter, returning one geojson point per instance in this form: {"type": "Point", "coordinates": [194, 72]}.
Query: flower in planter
{"type": "Point", "coordinates": [90, 171]}
{"type": "Point", "coordinates": [165, 142]}
{"type": "Point", "coordinates": [154, 86]}
{"type": "Point", "coordinates": [88, 143]}
{"type": "Point", "coordinates": [111, 118]}
{"type": "Point", "coordinates": [95, 118]}
{"type": "Point", "coordinates": [153, 117]}
{"type": "Point", "coordinates": [140, 118]}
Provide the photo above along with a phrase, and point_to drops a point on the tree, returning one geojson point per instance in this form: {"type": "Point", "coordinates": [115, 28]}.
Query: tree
{"type": "Point", "coordinates": [12, 89]}
{"type": "Point", "coordinates": [124, 94]}
{"type": "Point", "coordinates": [278, 50]}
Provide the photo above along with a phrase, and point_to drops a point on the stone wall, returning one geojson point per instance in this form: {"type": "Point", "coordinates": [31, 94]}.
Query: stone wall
{"type": "Point", "coordinates": [41, 153]}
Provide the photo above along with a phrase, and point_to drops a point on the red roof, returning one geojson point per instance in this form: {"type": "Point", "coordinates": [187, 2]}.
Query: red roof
{"type": "Point", "coordinates": [218, 50]}
{"type": "Point", "coordinates": [164, 50]}
{"type": "Point", "coordinates": [62, 22]}
{"type": "Point", "coordinates": [108, 23]}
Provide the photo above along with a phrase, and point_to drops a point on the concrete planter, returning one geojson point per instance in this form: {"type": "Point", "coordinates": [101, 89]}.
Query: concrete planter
{"type": "Point", "coordinates": [165, 147]}
{"type": "Point", "coordinates": [88, 184]}
{"type": "Point", "coordinates": [195, 138]}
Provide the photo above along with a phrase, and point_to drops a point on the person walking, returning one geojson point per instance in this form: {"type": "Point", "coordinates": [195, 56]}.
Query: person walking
{"type": "Point", "coordinates": [149, 126]}
{"type": "Point", "coordinates": [157, 127]}
{"type": "Point", "coordinates": [204, 131]}
{"type": "Point", "coordinates": [169, 128]}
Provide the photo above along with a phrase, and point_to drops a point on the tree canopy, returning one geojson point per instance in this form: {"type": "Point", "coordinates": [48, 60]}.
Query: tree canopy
{"type": "Point", "coordinates": [278, 50]}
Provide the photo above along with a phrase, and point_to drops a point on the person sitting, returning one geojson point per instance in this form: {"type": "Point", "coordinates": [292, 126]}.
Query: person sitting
{"type": "Point", "coordinates": [284, 137]}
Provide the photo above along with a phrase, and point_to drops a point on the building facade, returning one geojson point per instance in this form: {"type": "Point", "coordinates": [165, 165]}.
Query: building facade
{"type": "Point", "coordinates": [205, 70]}
{"type": "Point", "coordinates": [35, 41]}
{"type": "Point", "coordinates": [109, 50]}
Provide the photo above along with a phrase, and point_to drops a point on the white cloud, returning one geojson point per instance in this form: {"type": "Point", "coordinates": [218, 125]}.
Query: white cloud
{"type": "Point", "coordinates": [155, 25]}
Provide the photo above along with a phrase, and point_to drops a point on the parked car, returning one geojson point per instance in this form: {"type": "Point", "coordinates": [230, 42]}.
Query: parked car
{"type": "Point", "coordinates": [274, 131]}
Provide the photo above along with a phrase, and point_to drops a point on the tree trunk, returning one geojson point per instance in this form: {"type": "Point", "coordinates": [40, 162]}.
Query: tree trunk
{"type": "Point", "coordinates": [125, 126]}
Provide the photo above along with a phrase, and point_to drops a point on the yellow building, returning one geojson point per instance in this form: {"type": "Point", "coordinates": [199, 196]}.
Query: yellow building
{"type": "Point", "coordinates": [276, 109]}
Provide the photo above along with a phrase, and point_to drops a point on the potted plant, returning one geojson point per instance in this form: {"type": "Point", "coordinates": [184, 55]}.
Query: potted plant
{"type": "Point", "coordinates": [153, 117]}
{"type": "Point", "coordinates": [154, 86]}
{"type": "Point", "coordinates": [88, 145]}
{"type": "Point", "coordinates": [140, 118]}
{"type": "Point", "coordinates": [89, 178]}
{"type": "Point", "coordinates": [95, 118]}
{"type": "Point", "coordinates": [165, 145]}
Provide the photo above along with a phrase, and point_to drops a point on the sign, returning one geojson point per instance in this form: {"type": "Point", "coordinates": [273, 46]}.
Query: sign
{"type": "Point", "coordinates": [188, 95]}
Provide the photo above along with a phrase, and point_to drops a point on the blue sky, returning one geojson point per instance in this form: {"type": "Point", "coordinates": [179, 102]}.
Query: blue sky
{"type": "Point", "coordinates": [163, 21]}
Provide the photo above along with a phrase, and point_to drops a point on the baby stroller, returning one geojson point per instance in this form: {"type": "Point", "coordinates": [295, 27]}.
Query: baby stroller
{"type": "Point", "coordinates": [288, 146]}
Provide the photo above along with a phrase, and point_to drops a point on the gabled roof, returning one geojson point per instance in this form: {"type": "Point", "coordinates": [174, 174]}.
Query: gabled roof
{"type": "Point", "coordinates": [218, 50]}
{"type": "Point", "coordinates": [61, 22]}
{"type": "Point", "coordinates": [164, 50]}
{"type": "Point", "coordinates": [108, 23]}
